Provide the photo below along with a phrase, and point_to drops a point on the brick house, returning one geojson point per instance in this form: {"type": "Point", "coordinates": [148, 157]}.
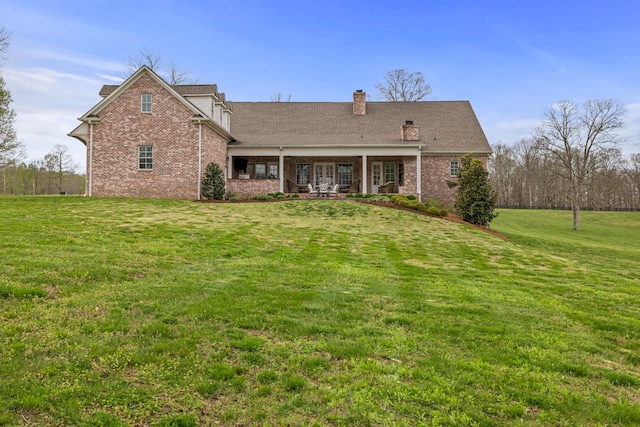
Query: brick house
{"type": "Point", "coordinates": [149, 139]}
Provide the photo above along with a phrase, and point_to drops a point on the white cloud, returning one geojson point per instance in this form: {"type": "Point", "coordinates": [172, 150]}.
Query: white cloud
{"type": "Point", "coordinates": [47, 103]}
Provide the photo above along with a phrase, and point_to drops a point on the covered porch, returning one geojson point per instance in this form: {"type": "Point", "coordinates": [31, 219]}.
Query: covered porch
{"type": "Point", "coordinates": [356, 169]}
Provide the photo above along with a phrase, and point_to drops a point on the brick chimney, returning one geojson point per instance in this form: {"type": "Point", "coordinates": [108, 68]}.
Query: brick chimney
{"type": "Point", "coordinates": [359, 103]}
{"type": "Point", "coordinates": [410, 131]}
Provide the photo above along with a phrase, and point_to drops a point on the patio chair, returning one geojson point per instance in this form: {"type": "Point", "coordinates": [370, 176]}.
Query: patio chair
{"type": "Point", "coordinates": [293, 187]}
{"type": "Point", "coordinates": [387, 188]}
{"type": "Point", "coordinates": [335, 190]}
{"type": "Point", "coordinates": [354, 187]}
{"type": "Point", "coordinates": [311, 190]}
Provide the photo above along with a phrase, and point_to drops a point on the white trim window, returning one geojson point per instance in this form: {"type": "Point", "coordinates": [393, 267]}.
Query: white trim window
{"type": "Point", "coordinates": [145, 103]}
{"type": "Point", "coordinates": [389, 172]}
{"type": "Point", "coordinates": [454, 168]}
{"type": "Point", "coordinates": [273, 171]}
{"type": "Point", "coordinates": [345, 173]}
{"type": "Point", "coordinates": [303, 173]}
{"type": "Point", "coordinates": [261, 170]}
{"type": "Point", "coordinates": [145, 157]}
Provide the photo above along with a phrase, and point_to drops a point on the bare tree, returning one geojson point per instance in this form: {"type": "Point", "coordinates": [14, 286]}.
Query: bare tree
{"type": "Point", "coordinates": [277, 97]}
{"type": "Point", "coordinates": [10, 147]}
{"type": "Point", "coordinates": [58, 163]}
{"type": "Point", "coordinates": [4, 43]}
{"type": "Point", "coordinates": [578, 138]}
{"type": "Point", "coordinates": [155, 61]}
{"type": "Point", "coordinates": [151, 59]}
{"type": "Point", "coordinates": [400, 85]}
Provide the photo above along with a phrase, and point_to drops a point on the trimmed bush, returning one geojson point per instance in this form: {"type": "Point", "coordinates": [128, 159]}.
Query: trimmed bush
{"type": "Point", "coordinates": [405, 202]}
{"type": "Point", "coordinates": [213, 183]}
{"type": "Point", "coordinates": [436, 211]}
{"type": "Point", "coordinates": [475, 200]}
{"type": "Point", "coordinates": [435, 203]}
{"type": "Point", "coordinates": [414, 204]}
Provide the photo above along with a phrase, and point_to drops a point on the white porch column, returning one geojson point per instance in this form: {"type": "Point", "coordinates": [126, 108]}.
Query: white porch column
{"type": "Point", "coordinates": [281, 170]}
{"type": "Point", "coordinates": [364, 174]}
{"type": "Point", "coordinates": [229, 167]}
{"type": "Point", "coordinates": [419, 173]}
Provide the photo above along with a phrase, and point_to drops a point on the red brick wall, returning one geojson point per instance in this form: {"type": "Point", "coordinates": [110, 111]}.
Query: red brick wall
{"type": "Point", "coordinates": [436, 173]}
{"type": "Point", "coordinates": [250, 187]}
{"type": "Point", "coordinates": [168, 128]}
{"type": "Point", "coordinates": [410, 185]}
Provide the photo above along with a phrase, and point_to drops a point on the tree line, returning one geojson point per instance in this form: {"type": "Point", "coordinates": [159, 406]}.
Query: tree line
{"type": "Point", "coordinates": [55, 173]}
{"type": "Point", "coordinates": [528, 175]}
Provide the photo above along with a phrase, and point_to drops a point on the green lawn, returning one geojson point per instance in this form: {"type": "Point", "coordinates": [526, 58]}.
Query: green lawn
{"type": "Point", "coordinates": [314, 312]}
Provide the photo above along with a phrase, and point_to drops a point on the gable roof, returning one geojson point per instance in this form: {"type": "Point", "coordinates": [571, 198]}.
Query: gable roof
{"type": "Point", "coordinates": [183, 90]}
{"type": "Point", "coordinates": [111, 92]}
{"type": "Point", "coordinates": [444, 126]}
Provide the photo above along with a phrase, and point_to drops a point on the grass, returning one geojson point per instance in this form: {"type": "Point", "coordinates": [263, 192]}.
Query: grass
{"type": "Point", "coordinates": [172, 313]}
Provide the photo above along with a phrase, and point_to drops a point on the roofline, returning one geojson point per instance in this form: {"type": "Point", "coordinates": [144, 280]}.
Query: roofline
{"type": "Point", "coordinates": [209, 122]}
{"type": "Point", "coordinates": [91, 115]}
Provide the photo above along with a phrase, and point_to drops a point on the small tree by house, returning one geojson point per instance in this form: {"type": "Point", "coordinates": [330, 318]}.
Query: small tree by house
{"type": "Point", "coordinates": [213, 184]}
{"type": "Point", "coordinates": [475, 200]}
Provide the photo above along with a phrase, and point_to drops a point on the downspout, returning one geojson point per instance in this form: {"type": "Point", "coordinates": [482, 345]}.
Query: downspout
{"type": "Point", "coordinates": [281, 169]}
{"type": "Point", "coordinates": [199, 158]}
{"type": "Point", "coordinates": [90, 183]}
{"type": "Point", "coordinates": [419, 173]}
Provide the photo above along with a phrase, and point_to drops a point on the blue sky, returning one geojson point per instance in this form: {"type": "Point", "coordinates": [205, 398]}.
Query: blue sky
{"type": "Point", "coordinates": [510, 59]}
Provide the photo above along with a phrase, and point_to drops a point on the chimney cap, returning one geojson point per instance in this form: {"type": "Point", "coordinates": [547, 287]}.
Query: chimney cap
{"type": "Point", "coordinates": [408, 122]}
{"type": "Point", "coordinates": [358, 90]}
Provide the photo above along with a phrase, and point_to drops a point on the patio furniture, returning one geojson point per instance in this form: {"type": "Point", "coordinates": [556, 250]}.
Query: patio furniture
{"type": "Point", "coordinates": [354, 187]}
{"type": "Point", "coordinates": [293, 187]}
{"type": "Point", "coordinates": [387, 188]}
{"type": "Point", "coordinates": [335, 190]}
{"type": "Point", "coordinates": [323, 189]}
{"type": "Point", "coordinates": [311, 190]}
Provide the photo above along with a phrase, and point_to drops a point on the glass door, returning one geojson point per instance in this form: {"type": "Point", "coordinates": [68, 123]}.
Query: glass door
{"type": "Point", "coordinates": [376, 176]}
{"type": "Point", "coordinates": [324, 174]}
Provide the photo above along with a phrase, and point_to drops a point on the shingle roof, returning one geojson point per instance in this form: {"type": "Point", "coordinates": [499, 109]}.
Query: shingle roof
{"type": "Point", "coordinates": [445, 126]}
{"type": "Point", "coordinates": [181, 89]}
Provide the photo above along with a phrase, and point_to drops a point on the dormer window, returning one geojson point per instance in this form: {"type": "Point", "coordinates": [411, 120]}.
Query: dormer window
{"type": "Point", "coordinates": [146, 103]}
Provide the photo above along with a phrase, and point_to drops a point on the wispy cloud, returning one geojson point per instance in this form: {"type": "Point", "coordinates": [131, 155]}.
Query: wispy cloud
{"type": "Point", "coordinates": [47, 103]}
{"type": "Point", "coordinates": [115, 79]}
{"type": "Point", "coordinates": [74, 58]}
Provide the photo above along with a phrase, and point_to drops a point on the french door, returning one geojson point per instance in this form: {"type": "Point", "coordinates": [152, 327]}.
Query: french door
{"type": "Point", "coordinates": [376, 176]}
{"type": "Point", "coordinates": [324, 174]}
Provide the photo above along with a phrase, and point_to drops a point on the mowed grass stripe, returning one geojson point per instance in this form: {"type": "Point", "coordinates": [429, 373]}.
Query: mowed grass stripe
{"type": "Point", "coordinates": [163, 312]}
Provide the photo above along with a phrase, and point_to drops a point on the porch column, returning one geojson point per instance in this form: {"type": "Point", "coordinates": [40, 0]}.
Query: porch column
{"type": "Point", "coordinates": [281, 169]}
{"type": "Point", "coordinates": [364, 174]}
{"type": "Point", "coordinates": [419, 173]}
{"type": "Point", "coordinates": [229, 167]}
